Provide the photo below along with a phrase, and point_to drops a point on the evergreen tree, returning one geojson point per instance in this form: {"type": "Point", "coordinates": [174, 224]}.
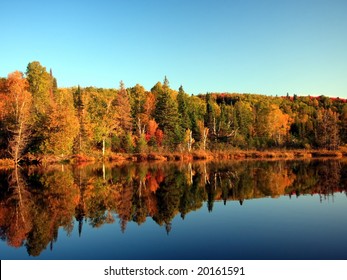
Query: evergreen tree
{"type": "Point", "coordinates": [210, 117]}
{"type": "Point", "coordinates": [81, 144]}
{"type": "Point", "coordinates": [183, 109]}
{"type": "Point", "coordinates": [166, 83]}
{"type": "Point", "coordinates": [54, 83]}
{"type": "Point", "coordinates": [167, 117]}
{"type": "Point", "coordinates": [244, 116]}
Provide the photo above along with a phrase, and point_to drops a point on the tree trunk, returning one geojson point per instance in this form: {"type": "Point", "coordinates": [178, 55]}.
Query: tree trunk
{"type": "Point", "coordinates": [190, 140]}
{"type": "Point", "coordinates": [103, 172]}
{"type": "Point", "coordinates": [103, 147]}
{"type": "Point", "coordinates": [204, 138]}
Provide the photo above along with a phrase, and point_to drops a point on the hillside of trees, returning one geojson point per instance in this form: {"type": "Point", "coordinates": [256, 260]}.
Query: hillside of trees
{"type": "Point", "coordinates": [39, 118]}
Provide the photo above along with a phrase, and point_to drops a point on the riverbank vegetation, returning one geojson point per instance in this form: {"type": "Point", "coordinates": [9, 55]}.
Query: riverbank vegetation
{"type": "Point", "coordinates": [41, 122]}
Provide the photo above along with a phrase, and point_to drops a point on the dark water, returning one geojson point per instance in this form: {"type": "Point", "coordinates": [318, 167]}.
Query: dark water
{"type": "Point", "coordinates": [234, 210]}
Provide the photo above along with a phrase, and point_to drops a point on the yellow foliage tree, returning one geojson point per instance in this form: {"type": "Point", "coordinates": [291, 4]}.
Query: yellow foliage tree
{"type": "Point", "coordinates": [279, 124]}
{"type": "Point", "coordinates": [17, 115]}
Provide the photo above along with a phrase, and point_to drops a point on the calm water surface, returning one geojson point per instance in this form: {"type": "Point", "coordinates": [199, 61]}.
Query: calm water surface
{"type": "Point", "coordinates": [228, 210]}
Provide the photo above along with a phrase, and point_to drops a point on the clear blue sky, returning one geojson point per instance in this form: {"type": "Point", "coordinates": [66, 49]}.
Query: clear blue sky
{"type": "Point", "coordinates": [251, 46]}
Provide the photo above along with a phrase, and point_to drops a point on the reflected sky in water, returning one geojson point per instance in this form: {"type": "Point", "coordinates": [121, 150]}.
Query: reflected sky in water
{"type": "Point", "coordinates": [297, 211]}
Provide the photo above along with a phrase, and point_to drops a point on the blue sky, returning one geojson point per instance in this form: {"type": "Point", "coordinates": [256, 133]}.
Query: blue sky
{"type": "Point", "coordinates": [251, 46]}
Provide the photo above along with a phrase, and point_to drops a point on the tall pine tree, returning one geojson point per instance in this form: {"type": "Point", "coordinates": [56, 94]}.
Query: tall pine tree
{"type": "Point", "coordinates": [183, 109]}
{"type": "Point", "coordinates": [167, 116]}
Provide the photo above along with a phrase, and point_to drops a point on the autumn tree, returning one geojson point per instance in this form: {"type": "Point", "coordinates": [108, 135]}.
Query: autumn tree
{"type": "Point", "coordinates": [62, 125]}
{"type": "Point", "coordinates": [17, 114]}
{"type": "Point", "coordinates": [3, 131]}
{"type": "Point", "coordinates": [327, 131]}
{"type": "Point", "coordinates": [343, 123]}
{"type": "Point", "coordinates": [41, 88]}
{"type": "Point", "coordinates": [204, 131]}
{"type": "Point", "coordinates": [124, 118]}
{"type": "Point", "coordinates": [188, 139]}
{"type": "Point", "coordinates": [279, 125]}
{"type": "Point", "coordinates": [140, 116]}
{"type": "Point", "coordinates": [41, 83]}
{"type": "Point", "coordinates": [302, 131]}
{"type": "Point", "coordinates": [137, 99]}
{"type": "Point", "coordinates": [124, 109]}
{"type": "Point", "coordinates": [271, 125]}
{"type": "Point", "coordinates": [104, 116]}
{"type": "Point", "coordinates": [157, 90]}
{"type": "Point", "coordinates": [152, 129]}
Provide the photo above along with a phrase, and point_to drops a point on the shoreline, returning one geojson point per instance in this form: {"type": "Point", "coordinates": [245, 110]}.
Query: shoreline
{"type": "Point", "coordinates": [171, 157]}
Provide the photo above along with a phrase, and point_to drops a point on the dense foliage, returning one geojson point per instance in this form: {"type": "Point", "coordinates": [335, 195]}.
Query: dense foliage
{"type": "Point", "coordinates": [38, 118]}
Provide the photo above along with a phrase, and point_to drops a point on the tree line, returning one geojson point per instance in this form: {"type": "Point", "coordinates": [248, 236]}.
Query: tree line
{"type": "Point", "coordinates": [38, 118]}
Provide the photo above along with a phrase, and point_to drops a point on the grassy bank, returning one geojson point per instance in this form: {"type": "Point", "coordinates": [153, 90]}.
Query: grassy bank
{"type": "Point", "coordinates": [229, 155]}
{"type": "Point", "coordinates": [239, 155]}
{"type": "Point", "coordinates": [194, 155]}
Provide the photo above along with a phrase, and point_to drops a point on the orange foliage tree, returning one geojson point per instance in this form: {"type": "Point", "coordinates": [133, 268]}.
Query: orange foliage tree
{"type": "Point", "coordinates": [17, 114]}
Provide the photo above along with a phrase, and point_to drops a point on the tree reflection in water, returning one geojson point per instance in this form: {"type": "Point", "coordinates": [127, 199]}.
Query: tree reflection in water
{"type": "Point", "coordinates": [35, 203]}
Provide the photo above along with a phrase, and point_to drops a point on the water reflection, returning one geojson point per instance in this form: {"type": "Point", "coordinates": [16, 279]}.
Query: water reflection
{"type": "Point", "coordinates": [35, 203]}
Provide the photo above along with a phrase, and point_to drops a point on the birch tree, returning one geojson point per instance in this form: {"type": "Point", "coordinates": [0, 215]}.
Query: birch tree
{"type": "Point", "coordinates": [17, 115]}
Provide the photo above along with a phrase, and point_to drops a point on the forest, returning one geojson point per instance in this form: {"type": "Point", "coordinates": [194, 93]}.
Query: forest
{"type": "Point", "coordinates": [40, 120]}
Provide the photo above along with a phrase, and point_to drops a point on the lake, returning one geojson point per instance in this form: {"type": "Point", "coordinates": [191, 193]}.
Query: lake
{"type": "Point", "coordinates": [202, 210]}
